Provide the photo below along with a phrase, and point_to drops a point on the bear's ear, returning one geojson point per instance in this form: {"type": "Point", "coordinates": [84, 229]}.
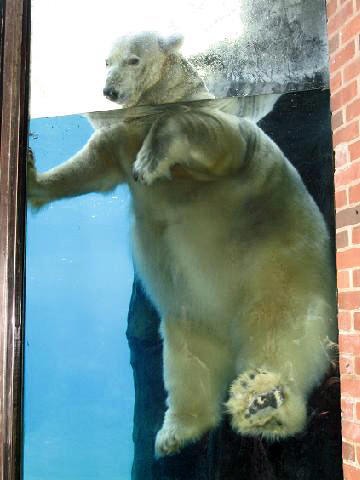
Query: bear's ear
{"type": "Point", "coordinates": [171, 44]}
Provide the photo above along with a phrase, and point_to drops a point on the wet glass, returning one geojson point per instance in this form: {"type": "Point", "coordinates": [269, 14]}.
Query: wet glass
{"type": "Point", "coordinates": [101, 367]}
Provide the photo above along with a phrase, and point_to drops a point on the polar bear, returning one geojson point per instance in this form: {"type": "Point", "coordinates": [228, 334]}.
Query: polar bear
{"type": "Point", "coordinates": [148, 69]}
{"type": "Point", "coordinates": [235, 255]}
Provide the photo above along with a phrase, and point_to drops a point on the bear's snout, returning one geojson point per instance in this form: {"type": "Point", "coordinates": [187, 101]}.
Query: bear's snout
{"type": "Point", "coordinates": [110, 93]}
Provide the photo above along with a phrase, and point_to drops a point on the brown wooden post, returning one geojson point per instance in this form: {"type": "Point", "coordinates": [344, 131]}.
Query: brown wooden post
{"type": "Point", "coordinates": [15, 43]}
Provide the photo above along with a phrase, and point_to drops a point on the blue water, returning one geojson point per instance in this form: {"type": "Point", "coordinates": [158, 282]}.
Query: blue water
{"type": "Point", "coordinates": [78, 381]}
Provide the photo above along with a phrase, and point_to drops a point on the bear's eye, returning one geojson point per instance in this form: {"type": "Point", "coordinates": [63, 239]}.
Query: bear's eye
{"type": "Point", "coordinates": [133, 61]}
{"type": "Point", "coordinates": [107, 63]}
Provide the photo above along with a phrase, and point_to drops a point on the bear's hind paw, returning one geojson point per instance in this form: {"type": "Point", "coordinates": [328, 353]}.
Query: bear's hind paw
{"type": "Point", "coordinates": [273, 399]}
{"type": "Point", "coordinates": [179, 430]}
{"type": "Point", "coordinates": [261, 404]}
{"type": "Point", "coordinates": [168, 442]}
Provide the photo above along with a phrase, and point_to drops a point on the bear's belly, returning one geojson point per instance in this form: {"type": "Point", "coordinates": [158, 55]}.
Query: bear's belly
{"type": "Point", "coordinates": [188, 274]}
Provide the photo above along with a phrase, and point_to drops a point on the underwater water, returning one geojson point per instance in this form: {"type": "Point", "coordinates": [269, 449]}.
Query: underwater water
{"type": "Point", "coordinates": [79, 390]}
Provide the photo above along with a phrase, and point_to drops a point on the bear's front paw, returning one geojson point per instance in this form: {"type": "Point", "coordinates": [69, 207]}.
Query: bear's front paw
{"type": "Point", "coordinates": [34, 191]}
{"type": "Point", "coordinates": [30, 169]}
{"type": "Point", "coordinates": [148, 168]}
{"type": "Point", "coordinates": [261, 403]}
{"type": "Point", "coordinates": [31, 177]}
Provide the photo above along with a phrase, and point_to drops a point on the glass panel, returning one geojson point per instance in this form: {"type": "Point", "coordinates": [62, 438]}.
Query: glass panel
{"type": "Point", "coordinates": [232, 248]}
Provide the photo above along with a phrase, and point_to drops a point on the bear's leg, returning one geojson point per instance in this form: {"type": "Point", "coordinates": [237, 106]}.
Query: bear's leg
{"type": "Point", "coordinates": [281, 367]}
{"type": "Point", "coordinates": [197, 369]}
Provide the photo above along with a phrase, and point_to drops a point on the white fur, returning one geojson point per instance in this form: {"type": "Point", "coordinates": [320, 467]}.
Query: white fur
{"type": "Point", "coordinates": [161, 74]}
{"type": "Point", "coordinates": [235, 255]}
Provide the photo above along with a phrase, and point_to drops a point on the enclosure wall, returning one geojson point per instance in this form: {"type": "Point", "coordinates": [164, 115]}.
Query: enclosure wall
{"type": "Point", "coordinates": [343, 33]}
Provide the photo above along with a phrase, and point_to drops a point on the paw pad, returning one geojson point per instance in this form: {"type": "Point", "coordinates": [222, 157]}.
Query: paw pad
{"type": "Point", "coordinates": [262, 403]}
{"type": "Point", "coordinates": [273, 399]}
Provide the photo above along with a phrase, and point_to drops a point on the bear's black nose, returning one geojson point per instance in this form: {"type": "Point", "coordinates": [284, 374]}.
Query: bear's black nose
{"type": "Point", "coordinates": [110, 93]}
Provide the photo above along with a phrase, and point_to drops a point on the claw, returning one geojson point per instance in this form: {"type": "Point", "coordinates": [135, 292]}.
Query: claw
{"type": "Point", "coordinates": [135, 175]}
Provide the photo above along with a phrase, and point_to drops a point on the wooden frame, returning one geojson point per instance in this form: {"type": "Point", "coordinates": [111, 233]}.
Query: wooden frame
{"type": "Point", "coordinates": [15, 46]}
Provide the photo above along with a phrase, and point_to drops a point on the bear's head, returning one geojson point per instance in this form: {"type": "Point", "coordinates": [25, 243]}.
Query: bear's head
{"type": "Point", "coordinates": [136, 64]}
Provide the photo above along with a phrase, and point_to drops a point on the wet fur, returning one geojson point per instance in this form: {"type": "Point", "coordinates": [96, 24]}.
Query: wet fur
{"type": "Point", "coordinates": [235, 255]}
